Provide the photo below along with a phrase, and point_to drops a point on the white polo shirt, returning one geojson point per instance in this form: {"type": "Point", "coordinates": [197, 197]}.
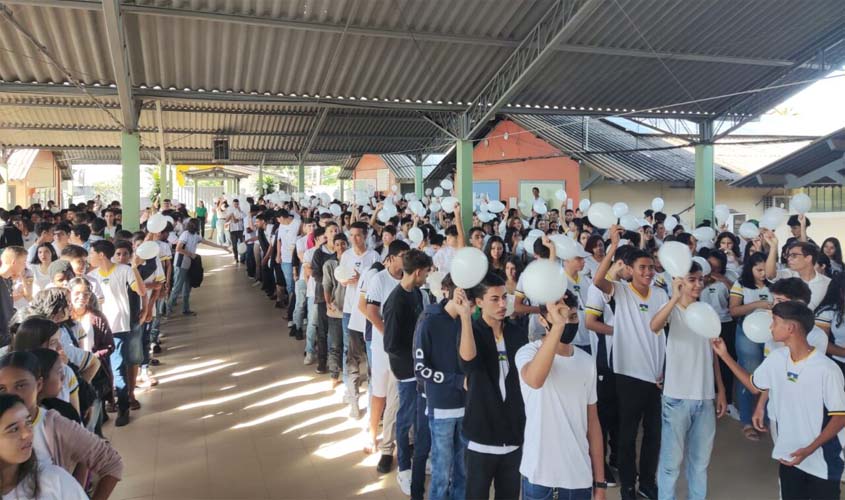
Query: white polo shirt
{"type": "Point", "coordinates": [115, 285]}
{"type": "Point", "coordinates": [360, 263]}
{"type": "Point", "coordinates": [638, 352]}
{"type": "Point", "coordinates": [287, 235]}
{"type": "Point", "coordinates": [818, 285]}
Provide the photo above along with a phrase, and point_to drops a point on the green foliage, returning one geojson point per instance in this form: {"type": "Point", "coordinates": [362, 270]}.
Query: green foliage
{"type": "Point", "coordinates": [109, 190]}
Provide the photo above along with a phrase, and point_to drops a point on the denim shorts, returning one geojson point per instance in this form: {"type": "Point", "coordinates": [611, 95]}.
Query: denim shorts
{"type": "Point", "coordinates": [133, 347]}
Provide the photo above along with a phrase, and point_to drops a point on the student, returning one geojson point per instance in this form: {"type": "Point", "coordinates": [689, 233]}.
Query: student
{"type": "Point", "coordinates": [558, 384]}
{"type": "Point", "coordinates": [334, 294]}
{"type": "Point", "coordinates": [186, 251]}
{"type": "Point", "coordinates": [494, 419]}
{"type": "Point", "coordinates": [285, 246]}
{"type": "Point", "coordinates": [717, 293]}
{"type": "Point", "coordinates": [12, 265]}
{"type": "Point", "coordinates": [235, 217]}
{"type": "Point", "coordinates": [543, 249]}
{"type": "Point", "coordinates": [829, 318]}
{"type": "Point", "coordinates": [638, 361]}
{"type": "Point", "coordinates": [45, 254]}
{"type": "Point", "coordinates": [455, 240]}
{"type": "Point", "coordinates": [323, 254]}
{"type": "Point", "coordinates": [79, 235]}
{"type": "Point", "coordinates": [801, 260]}
{"type": "Point", "coordinates": [807, 391]}
{"type": "Point", "coordinates": [578, 287]}
{"type": "Point", "coordinates": [23, 476]}
{"type": "Point", "coordinates": [437, 367]}
{"type": "Point", "coordinates": [116, 280]}
{"type": "Point", "coordinates": [693, 393]}
{"type": "Point", "coordinates": [57, 440]}
{"type": "Point", "coordinates": [384, 396]}
{"type": "Point", "coordinates": [400, 312]}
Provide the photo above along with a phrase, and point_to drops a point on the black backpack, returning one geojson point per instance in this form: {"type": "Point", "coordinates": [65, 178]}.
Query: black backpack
{"type": "Point", "coordinates": [195, 273]}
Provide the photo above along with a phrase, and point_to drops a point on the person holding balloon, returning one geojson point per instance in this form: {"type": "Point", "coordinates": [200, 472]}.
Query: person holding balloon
{"type": "Point", "coordinates": [693, 392]}
{"type": "Point", "coordinates": [801, 260]}
{"type": "Point", "coordinates": [807, 393]}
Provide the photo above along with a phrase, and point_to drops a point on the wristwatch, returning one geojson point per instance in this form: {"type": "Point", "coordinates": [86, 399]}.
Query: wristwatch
{"type": "Point", "coordinates": [601, 485]}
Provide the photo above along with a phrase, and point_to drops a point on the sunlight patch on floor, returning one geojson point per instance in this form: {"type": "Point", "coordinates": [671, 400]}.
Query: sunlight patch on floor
{"type": "Point", "coordinates": [232, 397]}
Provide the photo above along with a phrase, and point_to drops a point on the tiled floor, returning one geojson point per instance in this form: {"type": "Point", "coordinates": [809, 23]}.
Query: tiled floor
{"type": "Point", "coordinates": [238, 416]}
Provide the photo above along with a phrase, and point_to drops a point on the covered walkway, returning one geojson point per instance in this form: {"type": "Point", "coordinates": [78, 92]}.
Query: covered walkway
{"type": "Point", "coordinates": [238, 416]}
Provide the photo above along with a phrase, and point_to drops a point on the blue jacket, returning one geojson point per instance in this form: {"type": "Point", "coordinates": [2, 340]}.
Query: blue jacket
{"type": "Point", "coordinates": [436, 361]}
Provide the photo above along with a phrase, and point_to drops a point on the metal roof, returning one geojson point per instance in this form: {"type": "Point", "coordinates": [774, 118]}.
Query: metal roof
{"type": "Point", "coordinates": [403, 167]}
{"type": "Point", "coordinates": [820, 162]}
{"type": "Point", "coordinates": [610, 151]}
{"type": "Point", "coordinates": [347, 169]}
{"type": "Point", "coordinates": [20, 162]}
{"type": "Point", "coordinates": [266, 69]}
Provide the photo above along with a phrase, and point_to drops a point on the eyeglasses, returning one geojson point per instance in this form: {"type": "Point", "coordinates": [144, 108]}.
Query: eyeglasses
{"type": "Point", "coordinates": [792, 255]}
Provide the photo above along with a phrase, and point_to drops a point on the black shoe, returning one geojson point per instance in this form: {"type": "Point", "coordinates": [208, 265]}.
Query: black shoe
{"type": "Point", "coordinates": [385, 463]}
{"type": "Point", "coordinates": [300, 335]}
{"type": "Point", "coordinates": [294, 331]}
{"type": "Point", "coordinates": [648, 491]}
{"type": "Point", "coordinates": [156, 349]}
{"type": "Point", "coordinates": [122, 419]}
{"type": "Point", "coordinates": [189, 313]}
{"type": "Point", "coordinates": [323, 371]}
{"type": "Point", "coordinates": [628, 494]}
{"type": "Point", "coordinates": [154, 362]}
{"type": "Point", "coordinates": [609, 478]}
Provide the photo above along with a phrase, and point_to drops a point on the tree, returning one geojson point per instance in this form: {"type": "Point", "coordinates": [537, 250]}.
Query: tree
{"type": "Point", "coordinates": [109, 190]}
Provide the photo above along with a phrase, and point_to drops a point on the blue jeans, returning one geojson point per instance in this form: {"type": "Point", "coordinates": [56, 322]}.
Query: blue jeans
{"type": "Point", "coordinates": [404, 421]}
{"type": "Point", "coordinates": [422, 448]}
{"type": "Point", "coordinates": [447, 459]}
{"type": "Point", "coordinates": [345, 325]}
{"type": "Point", "coordinates": [119, 368]}
{"type": "Point", "coordinates": [300, 304]}
{"type": "Point", "coordinates": [532, 491]}
{"type": "Point", "coordinates": [181, 284]}
{"type": "Point", "coordinates": [287, 271]}
{"type": "Point", "coordinates": [749, 356]}
{"type": "Point", "coordinates": [311, 329]}
{"type": "Point", "coordinates": [687, 434]}
{"type": "Point", "coordinates": [146, 341]}
{"type": "Point", "coordinates": [161, 310]}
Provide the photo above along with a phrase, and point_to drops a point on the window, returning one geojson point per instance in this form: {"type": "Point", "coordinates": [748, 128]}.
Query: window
{"type": "Point", "coordinates": [827, 198]}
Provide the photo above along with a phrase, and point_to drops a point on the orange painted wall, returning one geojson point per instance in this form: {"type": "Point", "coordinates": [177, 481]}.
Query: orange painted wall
{"type": "Point", "coordinates": [520, 145]}
{"type": "Point", "coordinates": [368, 168]}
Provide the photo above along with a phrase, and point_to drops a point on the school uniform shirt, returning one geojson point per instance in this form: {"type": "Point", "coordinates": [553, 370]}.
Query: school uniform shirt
{"type": "Point", "coordinates": [165, 253]}
{"type": "Point", "coordinates": [598, 305]}
{"type": "Point", "coordinates": [837, 329]}
{"type": "Point", "coordinates": [556, 420]}
{"type": "Point", "coordinates": [116, 284]}
{"type": "Point", "coordinates": [816, 338]}
{"type": "Point", "coordinates": [311, 284]}
{"type": "Point", "coordinates": [70, 344]}
{"type": "Point", "coordinates": [638, 352]}
{"type": "Point", "coordinates": [378, 290]}
{"type": "Point", "coordinates": [29, 240]}
{"type": "Point", "coordinates": [578, 286]}
{"type": "Point", "coordinates": [190, 242]}
{"type": "Point", "coordinates": [54, 483]}
{"type": "Point", "coordinates": [535, 328]}
{"type": "Point", "coordinates": [591, 265]}
{"type": "Point", "coordinates": [818, 285]}
{"type": "Point", "coordinates": [70, 384]}
{"type": "Point", "coordinates": [286, 236]}
{"type": "Point", "coordinates": [804, 395]}
{"type": "Point", "coordinates": [718, 296]}
{"type": "Point", "coordinates": [360, 263]}
{"type": "Point", "coordinates": [750, 295]}
{"type": "Point", "coordinates": [689, 361]}
{"type": "Point", "coordinates": [237, 223]}
{"type": "Point", "coordinates": [357, 319]}
{"type": "Point", "coordinates": [443, 258]}
{"type": "Point", "coordinates": [663, 281]}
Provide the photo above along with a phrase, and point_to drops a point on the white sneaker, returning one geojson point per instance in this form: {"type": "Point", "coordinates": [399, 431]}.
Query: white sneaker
{"type": "Point", "coordinates": [309, 359]}
{"type": "Point", "coordinates": [403, 477]}
{"type": "Point", "coordinates": [733, 412]}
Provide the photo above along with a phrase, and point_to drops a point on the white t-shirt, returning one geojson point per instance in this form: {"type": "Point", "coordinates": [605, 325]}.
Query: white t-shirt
{"type": "Point", "coordinates": [828, 318]}
{"type": "Point", "coordinates": [54, 483]}
{"type": "Point", "coordinates": [818, 285]}
{"type": "Point", "coordinates": [378, 290]}
{"type": "Point", "coordinates": [717, 295]}
{"type": "Point", "coordinates": [311, 284]}
{"type": "Point", "coordinates": [638, 352]}
{"type": "Point", "coordinates": [287, 235]}
{"type": "Point", "coordinates": [357, 320]}
{"type": "Point", "coordinates": [598, 304]}
{"type": "Point", "coordinates": [443, 258]}
{"type": "Point", "coordinates": [115, 285]}
{"type": "Point", "coordinates": [556, 453]}
{"type": "Point", "coordinates": [591, 265]}
{"type": "Point", "coordinates": [689, 362]}
{"type": "Point", "coordinates": [237, 222]}
{"type": "Point", "coordinates": [803, 395]}
{"type": "Point", "coordinates": [751, 295]}
{"type": "Point", "coordinates": [360, 263]}
{"type": "Point", "coordinates": [579, 287]}
{"type": "Point", "coordinates": [816, 338]}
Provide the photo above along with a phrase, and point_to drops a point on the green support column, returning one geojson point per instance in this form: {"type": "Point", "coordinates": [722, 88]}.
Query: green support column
{"type": "Point", "coordinates": [130, 158]}
{"type": "Point", "coordinates": [4, 187]}
{"type": "Point", "coordinates": [301, 185]}
{"type": "Point", "coordinates": [162, 179]}
{"type": "Point", "coordinates": [196, 194]}
{"type": "Point", "coordinates": [418, 181]}
{"type": "Point", "coordinates": [341, 190]}
{"type": "Point", "coordinates": [705, 177]}
{"type": "Point", "coordinates": [463, 181]}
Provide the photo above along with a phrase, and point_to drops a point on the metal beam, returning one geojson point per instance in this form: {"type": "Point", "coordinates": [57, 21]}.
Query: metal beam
{"type": "Point", "coordinates": [831, 170]}
{"type": "Point", "coordinates": [312, 138]}
{"type": "Point", "coordinates": [592, 179]}
{"type": "Point", "coordinates": [116, 36]}
{"type": "Point", "coordinates": [268, 22]}
{"type": "Point", "coordinates": [556, 26]}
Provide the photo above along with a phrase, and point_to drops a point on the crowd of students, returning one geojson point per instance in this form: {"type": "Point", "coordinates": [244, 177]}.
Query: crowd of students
{"type": "Point", "coordinates": [81, 319]}
{"type": "Point", "coordinates": [481, 387]}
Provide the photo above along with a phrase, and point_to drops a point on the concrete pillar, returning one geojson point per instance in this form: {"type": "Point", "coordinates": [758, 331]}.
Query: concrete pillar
{"type": "Point", "coordinates": [4, 188]}
{"type": "Point", "coordinates": [130, 159]}
{"type": "Point", "coordinates": [341, 190]}
{"type": "Point", "coordinates": [418, 181]}
{"type": "Point", "coordinates": [162, 179]}
{"type": "Point", "coordinates": [301, 185]}
{"type": "Point", "coordinates": [261, 178]}
{"type": "Point", "coordinates": [196, 194]}
{"type": "Point", "coordinates": [463, 181]}
{"type": "Point", "coordinates": [705, 177]}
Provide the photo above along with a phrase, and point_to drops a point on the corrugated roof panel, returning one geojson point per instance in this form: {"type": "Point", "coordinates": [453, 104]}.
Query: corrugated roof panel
{"type": "Point", "coordinates": [20, 162]}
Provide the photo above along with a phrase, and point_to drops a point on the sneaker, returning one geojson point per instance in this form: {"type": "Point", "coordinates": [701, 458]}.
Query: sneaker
{"type": "Point", "coordinates": [309, 358]}
{"type": "Point", "coordinates": [122, 419]}
{"type": "Point", "coordinates": [189, 313]}
{"type": "Point", "coordinates": [134, 405]}
{"type": "Point", "coordinates": [321, 371]}
{"type": "Point", "coordinates": [609, 478]}
{"type": "Point", "coordinates": [293, 332]}
{"type": "Point", "coordinates": [404, 480]}
{"type": "Point", "coordinates": [156, 349]}
{"type": "Point", "coordinates": [385, 463]}
{"type": "Point", "coordinates": [648, 491]}
{"type": "Point", "coordinates": [628, 494]}
{"type": "Point", "coordinates": [354, 410]}
{"type": "Point", "coordinates": [111, 407]}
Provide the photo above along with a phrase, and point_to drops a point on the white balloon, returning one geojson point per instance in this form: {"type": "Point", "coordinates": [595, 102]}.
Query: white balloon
{"type": "Point", "coordinates": [496, 206]}
{"type": "Point", "coordinates": [560, 194]}
{"type": "Point", "coordinates": [676, 259]}
{"type": "Point", "coordinates": [383, 217]}
{"type": "Point", "coordinates": [722, 213]}
{"type": "Point", "coordinates": [544, 281]}
{"type": "Point", "coordinates": [629, 222]}
{"type": "Point", "coordinates": [396, 198]}
{"type": "Point", "coordinates": [620, 208]}
{"type": "Point", "coordinates": [749, 231]}
{"type": "Point", "coordinates": [757, 326]}
{"type": "Point", "coordinates": [446, 184]}
{"type": "Point", "coordinates": [801, 203]}
{"type": "Point", "coordinates": [394, 188]}
{"type": "Point", "coordinates": [540, 207]}
{"type": "Point", "coordinates": [705, 266]}
{"type": "Point", "coordinates": [434, 281]}
{"type": "Point", "coordinates": [565, 247]}
{"type": "Point", "coordinates": [241, 247]}
{"type": "Point", "coordinates": [428, 191]}
{"type": "Point", "coordinates": [438, 192]}
{"type": "Point", "coordinates": [342, 273]}
{"type": "Point", "coordinates": [584, 205]}
{"type": "Point", "coordinates": [601, 215]}
{"type": "Point", "coordinates": [434, 207]}
{"type": "Point", "coordinates": [670, 223]}
{"type": "Point", "coordinates": [389, 209]}
{"type": "Point", "coordinates": [657, 204]}
{"type": "Point", "coordinates": [415, 206]}
{"type": "Point", "coordinates": [510, 304]}
{"type": "Point", "coordinates": [704, 233]}
{"type": "Point", "coordinates": [469, 266]}
{"type": "Point", "coordinates": [448, 204]}
{"type": "Point", "coordinates": [156, 223]}
{"type": "Point", "coordinates": [773, 218]}
{"type": "Point", "coordinates": [416, 235]}
{"type": "Point", "coordinates": [485, 216]}
{"type": "Point", "coordinates": [147, 250]}
{"type": "Point", "coordinates": [703, 320]}
{"type": "Point", "coordinates": [335, 209]}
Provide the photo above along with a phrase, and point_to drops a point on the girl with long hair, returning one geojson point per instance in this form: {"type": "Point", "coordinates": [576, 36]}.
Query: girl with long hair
{"type": "Point", "coordinates": [833, 249]}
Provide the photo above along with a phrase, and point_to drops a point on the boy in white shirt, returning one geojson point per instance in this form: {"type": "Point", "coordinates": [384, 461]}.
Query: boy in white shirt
{"type": "Point", "coordinates": [807, 390]}
{"type": "Point", "coordinates": [115, 280]}
{"type": "Point", "coordinates": [801, 258]}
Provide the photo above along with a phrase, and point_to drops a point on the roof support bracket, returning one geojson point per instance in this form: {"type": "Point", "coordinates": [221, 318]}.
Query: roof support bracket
{"type": "Point", "coordinates": [116, 35]}
{"type": "Point", "coordinates": [831, 170]}
{"type": "Point", "coordinates": [589, 181]}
